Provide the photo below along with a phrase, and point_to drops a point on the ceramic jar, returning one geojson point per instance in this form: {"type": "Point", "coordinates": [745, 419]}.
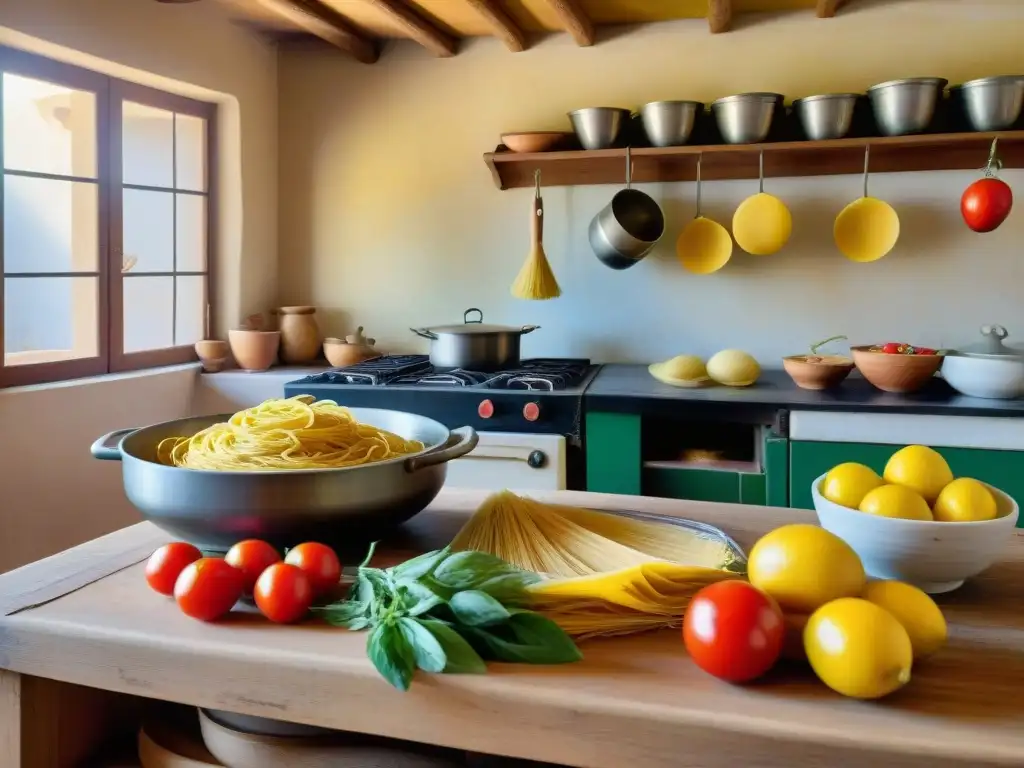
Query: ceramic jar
{"type": "Point", "coordinates": [300, 336]}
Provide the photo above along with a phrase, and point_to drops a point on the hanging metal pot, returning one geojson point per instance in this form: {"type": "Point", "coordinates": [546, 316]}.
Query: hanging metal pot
{"type": "Point", "coordinates": [628, 227]}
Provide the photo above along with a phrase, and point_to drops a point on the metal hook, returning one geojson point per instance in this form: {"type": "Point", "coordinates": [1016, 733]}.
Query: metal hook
{"type": "Point", "coordinates": [700, 156]}
{"type": "Point", "coordinates": [629, 168]}
{"type": "Point", "coordinates": [536, 182]}
{"type": "Point", "coordinates": [760, 171]}
{"type": "Point", "coordinates": [867, 160]}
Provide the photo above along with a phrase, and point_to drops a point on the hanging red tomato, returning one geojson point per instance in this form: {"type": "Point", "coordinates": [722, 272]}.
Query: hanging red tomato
{"type": "Point", "coordinates": [987, 202]}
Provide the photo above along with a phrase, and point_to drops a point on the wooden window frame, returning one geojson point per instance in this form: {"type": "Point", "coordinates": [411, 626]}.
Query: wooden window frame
{"type": "Point", "coordinates": [110, 93]}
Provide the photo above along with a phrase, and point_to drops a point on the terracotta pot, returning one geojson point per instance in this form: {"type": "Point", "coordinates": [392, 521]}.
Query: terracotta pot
{"type": "Point", "coordinates": [300, 336]}
{"type": "Point", "coordinates": [213, 354]}
{"type": "Point", "coordinates": [817, 371]}
{"type": "Point", "coordinates": [254, 350]}
{"type": "Point", "coordinates": [895, 373]}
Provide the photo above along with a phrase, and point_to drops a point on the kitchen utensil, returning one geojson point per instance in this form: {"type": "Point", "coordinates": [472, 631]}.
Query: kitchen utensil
{"type": "Point", "coordinates": [762, 224]}
{"type": "Point", "coordinates": [895, 373]}
{"type": "Point", "coordinates": [353, 349]}
{"type": "Point", "coordinates": [905, 106]}
{"type": "Point", "coordinates": [254, 350]}
{"type": "Point", "coordinates": [533, 141]}
{"type": "Point", "coordinates": [474, 346]}
{"type": "Point", "coordinates": [989, 369]}
{"type": "Point", "coordinates": [868, 228]}
{"type": "Point", "coordinates": [536, 280]}
{"type": "Point", "coordinates": [704, 246]}
{"type": "Point", "coordinates": [628, 227]}
{"type": "Point", "coordinates": [669, 123]}
{"type": "Point", "coordinates": [826, 116]}
{"type": "Point", "coordinates": [344, 506]}
{"type": "Point", "coordinates": [934, 556]}
{"type": "Point", "coordinates": [598, 127]}
{"type": "Point", "coordinates": [745, 118]}
{"type": "Point", "coordinates": [990, 103]}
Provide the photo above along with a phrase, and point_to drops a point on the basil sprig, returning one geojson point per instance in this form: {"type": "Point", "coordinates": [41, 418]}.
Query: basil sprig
{"type": "Point", "coordinates": [450, 612]}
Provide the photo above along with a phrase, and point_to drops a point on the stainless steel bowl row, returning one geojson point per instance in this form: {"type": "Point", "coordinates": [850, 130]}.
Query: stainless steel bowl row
{"type": "Point", "coordinates": [900, 107]}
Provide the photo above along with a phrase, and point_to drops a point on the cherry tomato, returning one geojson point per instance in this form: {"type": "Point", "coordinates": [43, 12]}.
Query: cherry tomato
{"type": "Point", "coordinates": [283, 593]}
{"type": "Point", "coordinates": [320, 564]}
{"type": "Point", "coordinates": [986, 203]}
{"type": "Point", "coordinates": [208, 588]}
{"type": "Point", "coordinates": [166, 564]}
{"type": "Point", "coordinates": [924, 351]}
{"type": "Point", "coordinates": [252, 557]}
{"type": "Point", "coordinates": [893, 347]}
{"type": "Point", "coordinates": [733, 631]}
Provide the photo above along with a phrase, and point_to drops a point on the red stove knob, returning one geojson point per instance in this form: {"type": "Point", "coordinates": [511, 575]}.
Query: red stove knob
{"type": "Point", "coordinates": [485, 409]}
{"type": "Point", "coordinates": [531, 411]}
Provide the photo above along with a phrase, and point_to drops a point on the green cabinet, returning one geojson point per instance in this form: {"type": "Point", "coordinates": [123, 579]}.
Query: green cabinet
{"type": "Point", "coordinates": [809, 460]}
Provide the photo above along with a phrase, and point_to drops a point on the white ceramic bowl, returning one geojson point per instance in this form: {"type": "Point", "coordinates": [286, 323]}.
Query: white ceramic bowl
{"type": "Point", "coordinates": [995, 377]}
{"type": "Point", "coordinates": [937, 557]}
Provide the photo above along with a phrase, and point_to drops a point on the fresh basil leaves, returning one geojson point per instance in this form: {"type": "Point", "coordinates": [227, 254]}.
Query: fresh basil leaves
{"type": "Point", "coordinates": [448, 612]}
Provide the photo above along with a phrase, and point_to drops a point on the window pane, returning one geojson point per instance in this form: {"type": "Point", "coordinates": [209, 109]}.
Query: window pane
{"type": "Point", "coordinates": [191, 233]}
{"type": "Point", "coordinates": [190, 135]}
{"type": "Point", "coordinates": [148, 228]}
{"type": "Point", "coordinates": [48, 128]}
{"type": "Point", "coordinates": [50, 226]}
{"type": "Point", "coordinates": [148, 313]}
{"type": "Point", "coordinates": [147, 155]}
{"type": "Point", "coordinates": [47, 319]}
{"type": "Point", "coordinates": [190, 320]}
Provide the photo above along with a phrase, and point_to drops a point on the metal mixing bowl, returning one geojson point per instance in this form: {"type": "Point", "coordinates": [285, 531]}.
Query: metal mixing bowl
{"type": "Point", "coordinates": [215, 510]}
{"type": "Point", "coordinates": [991, 103]}
{"type": "Point", "coordinates": [598, 127]}
{"type": "Point", "coordinates": [905, 106]}
{"type": "Point", "coordinates": [745, 118]}
{"type": "Point", "coordinates": [669, 123]}
{"type": "Point", "coordinates": [827, 116]}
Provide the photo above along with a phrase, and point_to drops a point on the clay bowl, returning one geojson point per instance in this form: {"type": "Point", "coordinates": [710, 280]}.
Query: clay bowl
{"type": "Point", "coordinates": [895, 373]}
{"type": "Point", "coordinates": [213, 354]}
{"type": "Point", "coordinates": [533, 141]}
{"type": "Point", "coordinates": [817, 371]}
{"type": "Point", "coordinates": [254, 350]}
{"type": "Point", "coordinates": [341, 354]}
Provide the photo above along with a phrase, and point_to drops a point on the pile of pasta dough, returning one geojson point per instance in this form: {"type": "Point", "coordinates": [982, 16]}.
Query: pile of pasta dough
{"type": "Point", "coordinates": [604, 573]}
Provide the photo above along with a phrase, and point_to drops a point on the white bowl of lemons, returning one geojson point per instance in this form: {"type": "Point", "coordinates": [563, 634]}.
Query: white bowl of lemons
{"type": "Point", "coordinates": [916, 522]}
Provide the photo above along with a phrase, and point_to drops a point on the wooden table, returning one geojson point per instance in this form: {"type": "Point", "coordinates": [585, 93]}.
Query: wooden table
{"type": "Point", "coordinates": [82, 633]}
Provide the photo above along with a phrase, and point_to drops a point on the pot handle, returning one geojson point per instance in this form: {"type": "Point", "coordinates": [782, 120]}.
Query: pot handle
{"type": "Point", "coordinates": [424, 333]}
{"type": "Point", "coordinates": [529, 329]}
{"type": "Point", "coordinates": [479, 312]}
{"type": "Point", "coordinates": [102, 448]}
{"type": "Point", "coordinates": [462, 441]}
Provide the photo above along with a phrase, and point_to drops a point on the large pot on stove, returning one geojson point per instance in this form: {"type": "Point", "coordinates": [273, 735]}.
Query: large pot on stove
{"type": "Point", "coordinates": [474, 345]}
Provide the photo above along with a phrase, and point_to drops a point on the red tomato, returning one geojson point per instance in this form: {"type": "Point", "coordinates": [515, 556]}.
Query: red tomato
{"type": "Point", "coordinates": [283, 593]}
{"type": "Point", "coordinates": [893, 347]}
{"type": "Point", "coordinates": [252, 557]}
{"type": "Point", "coordinates": [166, 564]}
{"type": "Point", "coordinates": [208, 588]}
{"type": "Point", "coordinates": [319, 562]}
{"type": "Point", "coordinates": [733, 631]}
{"type": "Point", "coordinates": [986, 204]}
{"type": "Point", "coordinates": [923, 351]}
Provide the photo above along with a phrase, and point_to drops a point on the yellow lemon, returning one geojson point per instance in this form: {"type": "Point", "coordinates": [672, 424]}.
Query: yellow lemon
{"type": "Point", "coordinates": [915, 610]}
{"type": "Point", "coordinates": [734, 368]}
{"type": "Point", "coordinates": [965, 500]}
{"type": "Point", "coordinates": [858, 649]}
{"type": "Point", "coordinates": [847, 484]}
{"type": "Point", "coordinates": [804, 567]}
{"type": "Point", "coordinates": [895, 501]}
{"type": "Point", "coordinates": [685, 367]}
{"type": "Point", "coordinates": [919, 468]}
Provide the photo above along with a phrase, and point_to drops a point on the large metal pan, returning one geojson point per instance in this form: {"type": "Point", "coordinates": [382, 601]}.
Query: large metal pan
{"type": "Point", "coordinates": [352, 505]}
{"type": "Point", "coordinates": [474, 345]}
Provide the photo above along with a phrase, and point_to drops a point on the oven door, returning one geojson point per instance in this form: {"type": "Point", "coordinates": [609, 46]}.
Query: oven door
{"type": "Point", "coordinates": [512, 460]}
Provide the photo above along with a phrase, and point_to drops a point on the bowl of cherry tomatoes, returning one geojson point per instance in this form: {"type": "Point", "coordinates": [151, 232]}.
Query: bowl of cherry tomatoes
{"type": "Point", "coordinates": [895, 366]}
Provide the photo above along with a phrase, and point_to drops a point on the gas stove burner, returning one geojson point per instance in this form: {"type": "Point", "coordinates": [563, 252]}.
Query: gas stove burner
{"type": "Point", "coordinates": [453, 378]}
{"type": "Point", "coordinates": [375, 372]}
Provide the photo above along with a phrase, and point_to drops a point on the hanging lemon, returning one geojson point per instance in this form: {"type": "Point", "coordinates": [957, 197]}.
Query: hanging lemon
{"type": "Point", "coordinates": [762, 224]}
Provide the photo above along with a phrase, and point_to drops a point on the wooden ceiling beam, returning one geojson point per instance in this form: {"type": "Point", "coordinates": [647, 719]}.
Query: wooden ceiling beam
{"type": "Point", "coordinates": [501, 24]}
{"type": "Point", "coordinates": [574, 21]}
{"type": "Point", "coordinates": [826, 9]}
{"type": "Point", "coordinates": [319, 20]}
{"type": "Point", "coordinates": [720, 16]}
{"type": "Point", "coordinates": [416, 27]}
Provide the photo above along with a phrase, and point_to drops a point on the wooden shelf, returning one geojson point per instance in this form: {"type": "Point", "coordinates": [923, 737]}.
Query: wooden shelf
{"type": "Point", "coordinates": [928, 152]}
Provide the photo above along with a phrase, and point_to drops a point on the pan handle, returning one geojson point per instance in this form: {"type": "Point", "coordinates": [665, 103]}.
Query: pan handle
{"type": "Point", "coordinates": [462, 441]}
{"type": "Point", "coordinates": [424, 333]}
{"type": "Point", "coordinates": [108, 447]}
{"type": "Point", "coordinates": [529, 329]}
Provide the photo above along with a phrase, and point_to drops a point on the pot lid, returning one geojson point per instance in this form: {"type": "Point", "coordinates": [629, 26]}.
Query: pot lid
{"type": "Point", "coordinates": [991, 344]}
{"type": "Point", "coordinates": [473, 322]}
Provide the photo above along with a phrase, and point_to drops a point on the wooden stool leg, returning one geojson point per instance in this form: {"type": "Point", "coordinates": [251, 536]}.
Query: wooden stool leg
{"type": "Point", "coordinates": [49, 724]}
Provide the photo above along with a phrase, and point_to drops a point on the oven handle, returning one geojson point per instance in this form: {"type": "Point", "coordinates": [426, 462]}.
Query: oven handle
{"type": "Point", "coordinates": [536, 459]}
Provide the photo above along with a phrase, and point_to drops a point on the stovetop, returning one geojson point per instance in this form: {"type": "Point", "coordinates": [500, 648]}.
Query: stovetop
{"type": "Point", "coordinates": [536, 375]}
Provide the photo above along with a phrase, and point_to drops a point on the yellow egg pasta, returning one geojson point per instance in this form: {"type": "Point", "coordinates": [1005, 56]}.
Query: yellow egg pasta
{"type": "Point", "coordinates": [281, 434]}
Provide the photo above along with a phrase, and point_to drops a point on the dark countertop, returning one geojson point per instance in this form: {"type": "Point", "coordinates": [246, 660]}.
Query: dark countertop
{"type": "Point", "coordinates": [621, 388]}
